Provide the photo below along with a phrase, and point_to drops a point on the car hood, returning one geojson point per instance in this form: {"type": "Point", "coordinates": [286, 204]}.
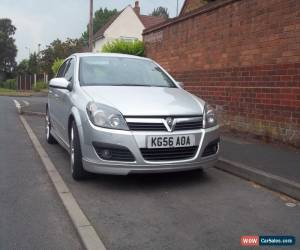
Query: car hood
{"type": "Point", "coordinates": [146, 101]}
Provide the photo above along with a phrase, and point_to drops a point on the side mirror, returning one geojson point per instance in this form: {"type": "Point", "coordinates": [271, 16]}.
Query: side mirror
{"type": "Point", "coordinates": [181, 84]}
{"type": "Point", "coordinates": [60, 83]}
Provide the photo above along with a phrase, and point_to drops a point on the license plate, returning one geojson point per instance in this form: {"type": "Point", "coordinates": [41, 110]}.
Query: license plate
{"type": "Point", "coordinates": [171, 141]}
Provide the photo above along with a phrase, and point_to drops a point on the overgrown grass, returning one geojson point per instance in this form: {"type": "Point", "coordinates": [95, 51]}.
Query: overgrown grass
{"type": "Point", "coordinates": [40, 86]}
{"type": "Point", "coordinates": [4, 90]}
{"type": "Point", "coordinates": [12, 92]}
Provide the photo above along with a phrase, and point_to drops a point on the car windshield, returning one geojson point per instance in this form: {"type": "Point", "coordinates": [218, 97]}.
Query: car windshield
{"type": "Point", "coordinates": [121, 71]}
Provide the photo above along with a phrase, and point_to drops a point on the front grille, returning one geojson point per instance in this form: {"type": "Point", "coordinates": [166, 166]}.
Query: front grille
{"type": "Point", "coordinates": [179, 126]}
{"type": "Point", "coordinates": [168, 154]}
{"type": "Point", "coordinates": [111, 152]}
{"type": "Point", "coordinates": [188, 125]}
{"type": "Point", "coordinates": [136, 126]}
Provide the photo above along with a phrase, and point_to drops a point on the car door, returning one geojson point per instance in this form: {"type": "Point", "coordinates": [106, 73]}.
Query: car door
{"type": "Point", "coordinates": [53, 105]}
{"type": "Point", "coordinates": [64, 101]}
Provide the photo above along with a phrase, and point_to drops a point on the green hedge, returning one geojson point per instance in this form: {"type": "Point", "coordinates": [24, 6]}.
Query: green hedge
{"type": "Point", "coordinates": [9, 84]}
{"type": "Point", "coordinates": [135, 47]}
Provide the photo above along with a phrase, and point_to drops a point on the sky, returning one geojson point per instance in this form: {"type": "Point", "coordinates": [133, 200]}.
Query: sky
{"type": "Point", "coordinates": [42, 21]}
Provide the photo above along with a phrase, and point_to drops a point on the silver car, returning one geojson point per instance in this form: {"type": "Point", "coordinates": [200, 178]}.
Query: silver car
{"type": "Point", "coordinates": [120, 114]}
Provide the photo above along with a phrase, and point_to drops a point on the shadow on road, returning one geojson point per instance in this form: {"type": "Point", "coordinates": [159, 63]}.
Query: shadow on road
{"type": "Point", "coordinates": [149, 181]}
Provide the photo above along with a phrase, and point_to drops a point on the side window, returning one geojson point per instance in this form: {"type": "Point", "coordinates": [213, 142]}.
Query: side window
{"type": "Point", "coordinates": [61, 70]}
{"type": "Point", "coordinates": [69, 72]}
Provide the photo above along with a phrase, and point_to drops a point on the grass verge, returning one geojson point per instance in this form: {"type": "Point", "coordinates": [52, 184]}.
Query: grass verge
{"type": "Point", "coordinates": [11, 92]}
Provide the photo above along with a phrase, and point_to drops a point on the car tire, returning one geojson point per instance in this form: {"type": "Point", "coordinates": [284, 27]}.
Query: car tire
{"type": "Point", "coordinates": [49, 137]}
{"type": "Point", "coordinates": [77, 170]}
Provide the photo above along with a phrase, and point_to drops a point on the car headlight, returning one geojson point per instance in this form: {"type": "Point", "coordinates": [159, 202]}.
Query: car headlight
{"type": "Point", "coordinates": [210, 117]}
{"type": "Point", "coordinates": [106, 117]}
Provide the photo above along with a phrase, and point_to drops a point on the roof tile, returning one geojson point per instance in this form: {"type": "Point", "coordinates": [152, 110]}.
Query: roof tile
{"type": "Point", "coordinates": [149, 21]}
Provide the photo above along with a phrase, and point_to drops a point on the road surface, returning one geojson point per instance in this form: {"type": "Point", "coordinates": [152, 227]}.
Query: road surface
{"type": "Point", "coordinates": [170, 211]}
{"type": "Point", "coordinates": [31, 214]}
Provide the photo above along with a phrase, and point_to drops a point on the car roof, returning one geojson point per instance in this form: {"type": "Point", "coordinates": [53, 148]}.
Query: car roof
{"type": "Point", "coordinates": [109, 55]}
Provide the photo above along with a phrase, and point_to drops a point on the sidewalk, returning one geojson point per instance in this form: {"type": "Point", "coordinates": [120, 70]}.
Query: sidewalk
{"type": "Point", "coordinates": [274, 166]}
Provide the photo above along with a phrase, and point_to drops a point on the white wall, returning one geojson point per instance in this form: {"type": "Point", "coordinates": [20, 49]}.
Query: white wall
{"type": "Point", "coordinates": [126, 25]}
{"type": "Point", "coordinates": [99, 44]}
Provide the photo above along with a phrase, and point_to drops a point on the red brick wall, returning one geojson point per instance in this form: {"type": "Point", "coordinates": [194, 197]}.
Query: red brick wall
{"type": "Point", "coordinates": [242, 56]}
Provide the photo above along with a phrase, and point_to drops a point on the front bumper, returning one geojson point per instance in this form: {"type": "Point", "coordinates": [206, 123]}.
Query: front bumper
{"type": "Point", "coordinates": [136, 140]}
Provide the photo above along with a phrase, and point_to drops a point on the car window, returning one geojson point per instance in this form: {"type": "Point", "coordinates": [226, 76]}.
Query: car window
{"type": "Point", "coordinates": [121, 71]}
{"type": "Point", "coordinates": [69, 72]}
{"type": "Point", "coordinates": [62, 68]}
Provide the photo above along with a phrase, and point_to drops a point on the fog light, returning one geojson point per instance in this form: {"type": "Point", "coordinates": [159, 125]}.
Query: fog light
{"type": "Point", "coordinates": [211, 120]}
{"type": "Point", "coordinates": [211, 148]}
{"type": "Point", "coordinates": [105, 154]}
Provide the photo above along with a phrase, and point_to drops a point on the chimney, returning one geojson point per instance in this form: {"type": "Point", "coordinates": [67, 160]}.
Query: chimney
{"type": "Point", "coordinates": [137, 8]}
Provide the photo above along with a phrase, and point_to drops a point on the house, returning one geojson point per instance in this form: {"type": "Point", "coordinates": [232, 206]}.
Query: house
{"type": "Point", "coordinates": [128, 24]}
{"type": "Point", "coordinates": [191, 5]}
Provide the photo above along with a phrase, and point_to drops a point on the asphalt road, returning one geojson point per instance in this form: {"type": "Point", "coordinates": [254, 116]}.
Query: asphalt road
{"type": "Point", "coordinates": [31, 214]}
{"type": "Point", "coordinates": [175, 211]}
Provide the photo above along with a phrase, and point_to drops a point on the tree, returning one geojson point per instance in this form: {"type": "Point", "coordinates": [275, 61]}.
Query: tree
{"type": "Point", "coordinates": [23, 67]}
{"type": "Point", "coordinates": [102, 16]}
{"type": "Point", "coordinates": [8, 49]}
{"type": "Point", "coordinates": [161, 11]}
{"type": "Point", "coordinates": [56, 65]}
{"type": "Point", "coordinates": [33, 64]}
{"type": "Point", "coordinates": [59, 49]}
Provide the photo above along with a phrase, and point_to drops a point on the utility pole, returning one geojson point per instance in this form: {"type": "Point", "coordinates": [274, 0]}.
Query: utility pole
{"type": "Point", "coordinates": [91, 34]}
{"type": "Point", "coordinates": [177, 9]}
{"type": "Point", "coordinates": [38, 62]}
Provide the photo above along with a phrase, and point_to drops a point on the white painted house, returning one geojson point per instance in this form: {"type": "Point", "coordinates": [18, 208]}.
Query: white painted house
{"type": "Point", "coordinates": [128, 24]}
